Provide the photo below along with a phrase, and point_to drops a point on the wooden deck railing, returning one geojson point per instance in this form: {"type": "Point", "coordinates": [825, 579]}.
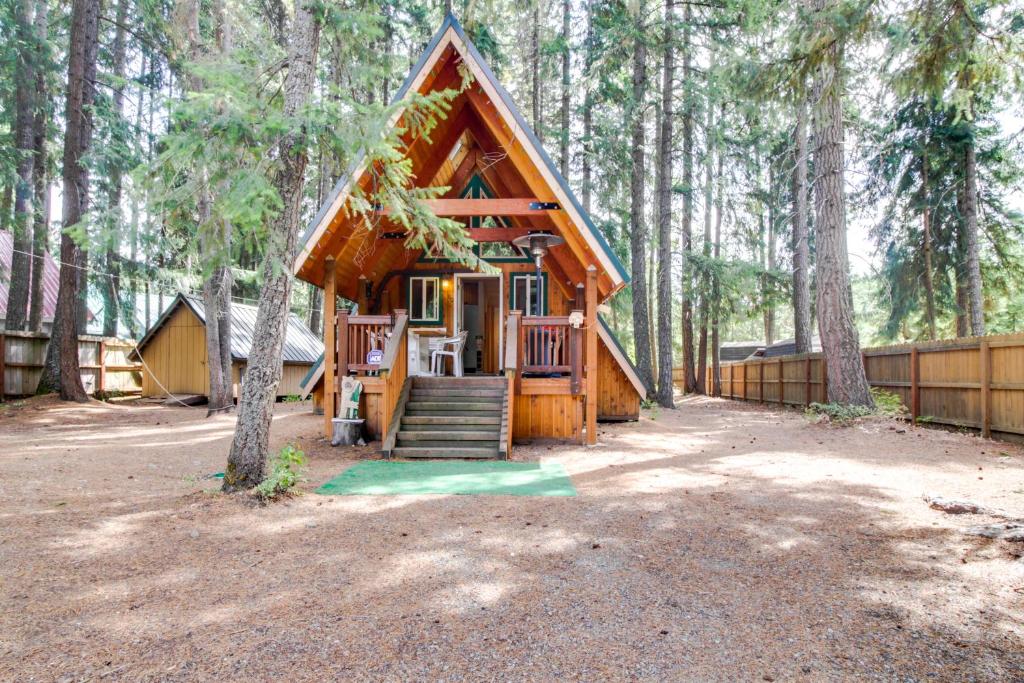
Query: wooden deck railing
{"type": "Point", "coordinates": [545, 345]}
{"type": "Point", "coordinates": [356, 336]}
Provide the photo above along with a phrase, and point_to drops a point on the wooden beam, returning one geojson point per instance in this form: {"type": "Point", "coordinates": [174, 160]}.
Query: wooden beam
{"type": "Point", "coordinates": [524, 206]}
{"type": "Point", "coordinates": [330, 310]}
{"type": "Point", "coordinates": [591, 354]}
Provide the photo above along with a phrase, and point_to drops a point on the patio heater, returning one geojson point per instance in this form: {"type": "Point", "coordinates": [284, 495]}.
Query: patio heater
{"type": "Point", "coordinates": [538, 243]}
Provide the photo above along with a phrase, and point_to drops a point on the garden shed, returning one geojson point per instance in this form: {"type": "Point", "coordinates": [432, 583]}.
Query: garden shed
{"type": "Point", "coordinates": [173, 352]}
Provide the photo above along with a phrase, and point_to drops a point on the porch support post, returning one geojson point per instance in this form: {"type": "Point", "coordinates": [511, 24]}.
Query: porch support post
{"type": "Point", "coordinates": [361, 299]}
{"type": "Point", "coordinates": [591, 354]}
{"type": "Point", "coordinates": [330, 310]}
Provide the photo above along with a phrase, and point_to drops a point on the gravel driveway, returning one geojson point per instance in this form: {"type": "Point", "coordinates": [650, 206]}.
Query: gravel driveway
{"type": "Point", "coordinates": [720, 541]}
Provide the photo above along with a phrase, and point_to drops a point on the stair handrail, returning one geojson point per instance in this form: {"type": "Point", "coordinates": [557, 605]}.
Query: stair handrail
{"type": "Point", "coordinates": [512, 340]}
{"type": "Point", "coordinates": [394, 342]}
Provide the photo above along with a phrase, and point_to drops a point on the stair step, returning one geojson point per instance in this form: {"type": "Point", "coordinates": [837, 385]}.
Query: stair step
{"type": "Point", "coordinates": [493, 428]}
{"type": "Point", "coordinates": [458, 382]}
{"type": "Point", "coordinates": [449, 421]}
{"type": "Point", "coordinates": [451, 412]}
{"type": "Point", "coordinates": [444, 452]}
{"type": "Point", "coordinates": [453, 406]}
{"type": "Point", "coordinates": [451, 435]}
{"type": "Point", "coordinates": [458, 392]}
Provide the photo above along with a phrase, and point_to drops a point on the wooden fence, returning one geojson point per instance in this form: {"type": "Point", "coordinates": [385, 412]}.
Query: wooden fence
{"type": "Point", "coordinates": [973, 382]}
{"type": "Point", "coordinates": [103, 361]}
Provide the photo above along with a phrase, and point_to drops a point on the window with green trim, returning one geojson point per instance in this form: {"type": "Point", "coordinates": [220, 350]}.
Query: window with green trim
{"type": "Point", "coordinates": [425, 300]}
{"type": "Point", "coordinates": [523, 293]}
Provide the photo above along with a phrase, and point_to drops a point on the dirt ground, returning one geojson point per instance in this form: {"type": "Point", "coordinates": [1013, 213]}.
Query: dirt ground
{"type": "Point", "coordinates": [720, 541]}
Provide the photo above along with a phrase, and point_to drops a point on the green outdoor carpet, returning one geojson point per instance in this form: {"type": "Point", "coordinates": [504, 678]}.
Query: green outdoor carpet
{"type": "Point", "coordinates": [458, 477]}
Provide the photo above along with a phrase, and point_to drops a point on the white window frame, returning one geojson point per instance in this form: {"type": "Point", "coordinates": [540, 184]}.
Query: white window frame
{"type": "Point", "coordinates": [422, 316]}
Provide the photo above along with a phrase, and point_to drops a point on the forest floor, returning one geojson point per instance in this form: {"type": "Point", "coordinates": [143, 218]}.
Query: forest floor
{"type": "Point", "coordinates": [719, 541]}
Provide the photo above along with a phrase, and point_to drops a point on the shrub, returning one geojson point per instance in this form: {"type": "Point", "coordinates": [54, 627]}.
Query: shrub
{"type": "Point", "coordinates": [286, 473]}
{"type": "Point", "coordinates": [887, 404]}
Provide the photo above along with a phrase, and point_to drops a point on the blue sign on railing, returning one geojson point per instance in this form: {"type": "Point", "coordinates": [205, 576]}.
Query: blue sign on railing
{"type": "Point", "coordinates": [375, 357]}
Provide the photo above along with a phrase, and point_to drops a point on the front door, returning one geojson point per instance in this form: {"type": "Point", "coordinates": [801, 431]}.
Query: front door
{"type": "Point", "coordinates": [478, 311]}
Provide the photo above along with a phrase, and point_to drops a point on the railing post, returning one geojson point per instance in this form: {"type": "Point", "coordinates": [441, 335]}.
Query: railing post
{"type": "Point", "coordinates": [330, 343]}
{"type": "Point", "coordinates": [575, 357]}
{"type": "Point", "coordinates": [591, 354]}
{"type": "Point", "coordinates": [342, 343]}
{"type": "Point", "coordinates": [986, 388]}
{"type": "Point", "coordinates": [915, 385]}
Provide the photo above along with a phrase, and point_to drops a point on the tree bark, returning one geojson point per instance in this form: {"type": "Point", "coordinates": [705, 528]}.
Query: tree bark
{"type": "Point", "coordinates": [769, 286]}
{"type": "Point", "coordinates": [62, 368]}
{"type": "Point", "coordinates": [705, 278]}
{"type": "Point", "coordinates": [112, 283]}
{"type": "Point", "coordinates": [801, 235]}
{"type": "Point", "coordinates": [926, 247]}
{"type": "Point", "coordinates": [588, 110]}
{"type": "Point", "coordinates": [40, 184]}
{"type": "Point", "coordinates": [248, 457]}
{"type": "Point", "coordinates": [689, 369]}
{"type": "Point", "coordinates": [25, 104]}
{"type": "Point", "coordinates": [970, 227]}
{"type": "Point", "coordinates": [563, 138]}
{"type": "Point", "coordinates": [716, 287]}
{"type": "Point", "coordinates": [664, 192]}
{"type": "Point", "coordinates": [847, 383]}
{"type": "Point", "coordinates": [535, 71]}
{"type": "Point", "coordinates": [637, 225]}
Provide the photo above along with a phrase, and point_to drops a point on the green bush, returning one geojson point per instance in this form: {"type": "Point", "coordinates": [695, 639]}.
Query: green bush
{"type": "Point", "coordinates": [286, 473]}
{"type": "Point", "coordinates": [887, 404]}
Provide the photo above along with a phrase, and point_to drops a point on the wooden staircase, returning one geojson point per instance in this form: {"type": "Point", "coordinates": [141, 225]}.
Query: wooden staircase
{"type": "Point", "coordinates": [451, 417]}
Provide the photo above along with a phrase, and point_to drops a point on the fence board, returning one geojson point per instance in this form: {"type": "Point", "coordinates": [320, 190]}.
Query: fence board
{"type": "Point", "coordinates": [102, 361]}
{"type": "Point", "coordinates": [973, 382]}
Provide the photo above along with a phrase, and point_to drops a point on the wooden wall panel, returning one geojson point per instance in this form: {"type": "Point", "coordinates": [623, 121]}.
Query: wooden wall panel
{"type": "Point", "coordinates": [545, 416]}
{"type": "Point", "coordinates": [616, 398]}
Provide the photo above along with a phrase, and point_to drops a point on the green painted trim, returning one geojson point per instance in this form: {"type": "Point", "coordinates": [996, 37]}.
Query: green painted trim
{"type": "Point", "coordinates": [545, 307]}
{"type": "Point", "coordinates": [440, 299]}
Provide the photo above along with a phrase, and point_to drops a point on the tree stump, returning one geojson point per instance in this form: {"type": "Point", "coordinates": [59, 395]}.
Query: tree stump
{"type": "Point", "coordinates": [346, 432]}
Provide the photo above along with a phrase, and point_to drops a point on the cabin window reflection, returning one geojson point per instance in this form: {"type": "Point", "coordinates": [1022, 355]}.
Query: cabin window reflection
{"type": "Point", "coordinates": [425, 300]}
{"type": "Point", "coordinates": [524, 294]}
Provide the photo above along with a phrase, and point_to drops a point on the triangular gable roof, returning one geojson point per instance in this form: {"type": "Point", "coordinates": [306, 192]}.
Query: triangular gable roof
{"type": "Point", "coordinates": [300, 344]}
{"type": "Point", "coordinates": [451, 34]}
{"type": "Point", "coordinates": [620, 356]}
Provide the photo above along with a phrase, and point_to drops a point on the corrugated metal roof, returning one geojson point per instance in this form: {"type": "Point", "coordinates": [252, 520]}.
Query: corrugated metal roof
{"type": "Point", "coordinates": [51, 278]}
{"type": "Point", "coordinates": [300, 344]}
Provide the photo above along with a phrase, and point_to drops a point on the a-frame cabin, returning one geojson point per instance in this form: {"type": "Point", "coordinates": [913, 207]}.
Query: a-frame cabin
{"type": "Point", "coordinates": [536, 364]}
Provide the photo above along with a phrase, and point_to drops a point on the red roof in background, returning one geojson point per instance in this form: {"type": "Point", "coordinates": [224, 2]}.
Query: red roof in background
{"type": "Point", "coordinates": [51, 278]}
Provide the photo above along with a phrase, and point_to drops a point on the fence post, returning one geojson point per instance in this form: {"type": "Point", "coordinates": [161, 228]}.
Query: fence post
{"type": "Point", "coordinates": [782, 387]}
{"type": "Point", "coordinates": [103, 367]}
{"type": "Point", "coordinates": [824, 379]}
{"type": "Point", "coordinates": [3, 363]}
{"type": "Point", "coordinates": [760, 381]}
{"type": "Point", "coordinates": [743, 385]}
{"type": "Point", "coordinates": [915, 385]}
{"type": "Point", "coordinates": [986, 389]}
{"type": "Point", "coordinates": [807, 381]}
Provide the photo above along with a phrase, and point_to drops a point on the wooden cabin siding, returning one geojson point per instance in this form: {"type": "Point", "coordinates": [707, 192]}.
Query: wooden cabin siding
{"type": "Point", "coordinates": [176, 357]}
{"type": "Point", "coordinates": [617, 398]}
{"type": "Point", "coordinates": [546, 409]}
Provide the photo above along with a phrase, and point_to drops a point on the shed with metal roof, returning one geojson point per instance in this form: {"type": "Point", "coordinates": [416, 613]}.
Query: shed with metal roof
{"type": "Point", "coordinates": [173, 351]}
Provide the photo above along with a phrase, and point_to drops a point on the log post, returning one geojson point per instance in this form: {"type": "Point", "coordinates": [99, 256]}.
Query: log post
{"type": "Point", "coordinates": [986, 389]}
{"type": "Point", "coordinates": [343, 342]}
{"type": "Point", "coordinates": [591, 354]}
{"type": "Point", "coordinates": [330, 349]}
{"type": "Point", "coordinates": [915, 385]}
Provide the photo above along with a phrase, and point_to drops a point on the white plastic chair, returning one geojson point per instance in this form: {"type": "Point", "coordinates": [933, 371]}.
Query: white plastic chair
{"type": "Point", "coordinates": [439, 349]}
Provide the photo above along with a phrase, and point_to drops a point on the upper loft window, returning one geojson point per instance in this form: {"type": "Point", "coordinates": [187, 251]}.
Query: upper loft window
{"type": "Point", "coordinates": [524, 293]}
{"type": "Point", "coordinates": [425, 300]}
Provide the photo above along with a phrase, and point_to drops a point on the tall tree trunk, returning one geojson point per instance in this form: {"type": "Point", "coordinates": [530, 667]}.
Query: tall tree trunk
{"type": "Point", "coordinates": [62, 368]}
{"type": "Point", "coordinates": [769, 290]}
{"type": "Point", "coordinates": [588, 109]}
{"type": "Point", "coordinates": [847, 383]}
{"type": "Point", "coordinates": [535, 71]}
{"type": "Point", "coordinates": [716, 287]}
{"type": "Point", "coordinates": [25, 104]}
{"type": "Point", "coordinates": [563, 138]}
{"type": "Point", "coordinates": [801, 235]}
{"type": "Point", "coordinates": [112, 283]}
{"type": "Point", "coordinates": [689, 369]}
{"type": "Point", "coordinates": [40, 179]}
{"type": "Point", "coordinates": [926, 247]}
{"type": "Point", "coordinates": [664, 190]}
{"type": "Point", "coordinates": [637, 225]}
{"type": "Point", "coordinates": [970, 228]}
{"type": "Point", "coordinates": [705, 283]}
{"type": "Point", "coordinates": [248, 457]}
